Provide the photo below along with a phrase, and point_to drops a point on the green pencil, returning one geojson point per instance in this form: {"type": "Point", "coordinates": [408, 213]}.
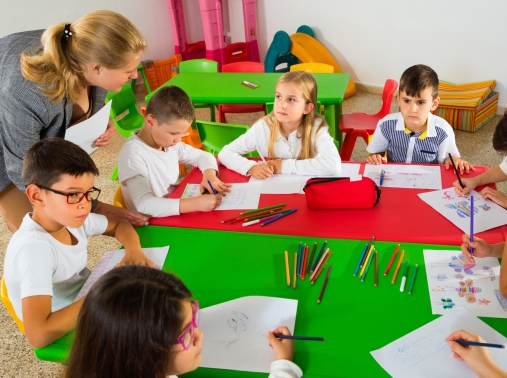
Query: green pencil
{"type": "Point", "coordinates": [262, 208]}
{"type": "Point", "coordinates": [413, 279]}
{"type": "Point", "coordinates": [367, 267]}
{"type": "Point", "coordinates": [254, 217]}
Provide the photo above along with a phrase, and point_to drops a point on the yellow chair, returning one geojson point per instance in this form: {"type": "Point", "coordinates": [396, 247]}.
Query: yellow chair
{"type": "Point", "coordinates": [7, 303]}
{"type": "Point", "coordinates": [312, 67]}
{"type": "Point", "coordinates": [118, 199]}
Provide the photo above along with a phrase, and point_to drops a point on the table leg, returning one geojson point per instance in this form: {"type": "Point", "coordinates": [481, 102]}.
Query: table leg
{"type": "Point", "coordinates": [333, 113]}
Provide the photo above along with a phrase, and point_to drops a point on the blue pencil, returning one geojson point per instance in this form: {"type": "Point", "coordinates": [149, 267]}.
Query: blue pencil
{"type": "Point", "coordinates": [471, 222]}
{"type": "Point", "coordinates": [281, 216]}
{"type": "Point", "coordinates": [361, 259]}
{"type": "Point", "coordinates": [367, 267]}
{"type": "Point", "coordinates": [473, 343]}
{"type": "Point", "coordinates": [319, 256]}
{"type": "Point", "coordinates": [211, 186]}
{"type": "Point", "coordinates": [299, 257]}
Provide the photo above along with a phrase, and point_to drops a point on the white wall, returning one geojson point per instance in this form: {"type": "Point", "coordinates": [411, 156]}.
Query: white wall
{"type": "Point", "coordinates": [462, 40]}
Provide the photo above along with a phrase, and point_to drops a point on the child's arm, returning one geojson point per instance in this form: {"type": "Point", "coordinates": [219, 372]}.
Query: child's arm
{"type": "Point", "coordinates": [377, 147]}
{"type": "Point", "coordinates": [377, 158]}
{"type": "Point", "coordinates": [283, 349]}
{"type": "Point", "coordinates": [210, 176]}
{"type": "Point", "coordinates": [462, 165]}
{"type": "Point", "coordinates": [481, 248]}
{"type": "Point", "coordinates": [477, 358]}
{"type": "Point", "coordinates": [42, 326]}
{"type": "Point", "coordinates": [494, 175]}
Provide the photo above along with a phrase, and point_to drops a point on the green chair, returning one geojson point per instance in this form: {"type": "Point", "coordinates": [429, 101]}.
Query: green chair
{"type": "Point", "coordinates": [201, 66]}
{"type": "Point", "coordinates": [214, 136]}
{"type": "Point", "coordinates": [140, 69]}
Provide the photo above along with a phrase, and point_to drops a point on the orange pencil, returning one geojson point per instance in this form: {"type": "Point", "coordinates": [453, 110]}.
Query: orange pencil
{"type": "Point", "coordinates": [398, 267]}
{"type": "Point", "coordinates": [322, 266]}
{"type": "Point", "coordinates": [319, 263]}
{"type": "Point", "coordinates": [392, 259]}
{"type": "Point", "coordinates": [287, 267]}
{"type": "Point", "coordinates": [295, 268]}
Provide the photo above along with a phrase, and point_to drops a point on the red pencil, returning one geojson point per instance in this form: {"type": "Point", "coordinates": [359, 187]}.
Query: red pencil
{"type": "Point", "coordinates": [392, 260]}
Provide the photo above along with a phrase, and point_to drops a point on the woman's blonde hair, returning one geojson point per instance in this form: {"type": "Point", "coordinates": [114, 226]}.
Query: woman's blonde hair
{"type": "Point", "coordinates": [306, 84]}
{"type": "Point", "coordinates": [102, 37]}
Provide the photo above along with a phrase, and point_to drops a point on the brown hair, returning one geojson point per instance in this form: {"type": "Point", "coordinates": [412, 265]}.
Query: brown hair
{"type": "Point", "coordinates": [417, 78]}
{"type": "Point", "coordinates": [500, 136]}
{"type": "Point", "coordinates": [170, 103]}
{"type": "Point", "coordinates": [128, 325]}
{"type": "Point", "coordinates": [50, 158]}
{"type": "Point", "coordinates": [306, 84]}
{"type": "Point", "coordinates": [102, 37]}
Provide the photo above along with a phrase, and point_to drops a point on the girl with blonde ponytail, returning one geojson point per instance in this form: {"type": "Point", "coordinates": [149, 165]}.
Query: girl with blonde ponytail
{"type": "Point", "coordinates": [53, 79]}
{"type": "Point", "coordinates": [293, 136]}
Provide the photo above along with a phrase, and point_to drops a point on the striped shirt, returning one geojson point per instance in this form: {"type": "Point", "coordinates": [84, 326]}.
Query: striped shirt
{"type": "Point", "coordinates": [430, 146]}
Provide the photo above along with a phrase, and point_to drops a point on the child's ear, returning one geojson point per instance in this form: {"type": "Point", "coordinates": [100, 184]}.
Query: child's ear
{"type": "Point", "coordinates": [309, 107]}
{"type": "Point", "coordinates": [34, 194]}
{"type": "Point", "coordinates": [149, 120]}
{"type": "Point", "coordinates": [435, 103]}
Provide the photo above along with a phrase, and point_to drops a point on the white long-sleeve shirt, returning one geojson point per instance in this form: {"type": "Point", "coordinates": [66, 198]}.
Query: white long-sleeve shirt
{"type": "Point", "coordinates": [147, 176]}
{"type": "Point", "coordinates": [326, 161]}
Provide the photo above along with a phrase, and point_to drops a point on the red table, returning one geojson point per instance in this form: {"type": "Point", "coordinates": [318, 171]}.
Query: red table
{"type": "Point", "coordinates": [400, 216]}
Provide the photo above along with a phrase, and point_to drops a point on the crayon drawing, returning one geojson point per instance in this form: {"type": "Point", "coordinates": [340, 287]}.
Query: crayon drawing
{"type": "Point", "coordinates": [412, 354]}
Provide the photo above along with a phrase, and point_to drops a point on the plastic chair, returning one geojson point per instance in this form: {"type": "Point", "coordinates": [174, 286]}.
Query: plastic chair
{"type": "Point", "coordinates": [7, 303]}
{"type": "Point", "coordinates": [118, 199]}
{"type": "Point", "coordinates": [312, 67]}
{"type": "Point", "coordinates": [216, 135]}
{"type": "Point", "coordinates": [362, 125]}
{"type": "Point", "coordinates": [125, 101]}
{"type": "Point", "coordinates": [240, 108]}
{"type": "Point", "coordinates": [201, 66]}
{"type": "Point", "coordinates": [237, 52]}
{"type": "Point", "coordinates": [140, 69]}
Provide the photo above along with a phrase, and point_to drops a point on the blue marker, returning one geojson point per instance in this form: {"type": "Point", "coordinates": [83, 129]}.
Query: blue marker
{"type": "Point", "coordinates": [382, 177]}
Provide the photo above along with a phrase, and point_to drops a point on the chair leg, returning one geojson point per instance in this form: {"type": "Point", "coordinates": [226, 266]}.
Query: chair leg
{"type": "Point", "coordinates": [221, 117]}
{"type": "Point", "coordinates": [212, 113]}
{"type": "Point", "coordinates": [348, 146]}
{"type": "Point", "coordinates": [114, 175]}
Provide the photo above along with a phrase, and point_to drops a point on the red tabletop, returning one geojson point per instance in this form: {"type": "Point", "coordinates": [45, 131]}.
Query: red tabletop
{"type": "Point", "coordinates": [400, 216]}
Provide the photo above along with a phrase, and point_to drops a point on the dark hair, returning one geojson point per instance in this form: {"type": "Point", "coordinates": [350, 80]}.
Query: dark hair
{"type": "Point", "coordinates": [50, 158]}
{"type": "Point", "coordinates": [170, 103]}
{"type": "Point", "coordinates": [500, 136]}
{"type": "Point", "coordinates": [130, 320]}
{"type": "Point", "coordinates": [417, 78]}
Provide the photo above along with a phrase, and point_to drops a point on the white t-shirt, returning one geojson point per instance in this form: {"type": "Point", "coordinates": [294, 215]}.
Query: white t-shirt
{"type": "Point", "coordinates": [326, 161]}
{"type": "Point", "coordinates": [503, 165]}
{"type": "Point", "coordinates": [148, 175]}
{"type": "Point", "coordinates": [38, 264]}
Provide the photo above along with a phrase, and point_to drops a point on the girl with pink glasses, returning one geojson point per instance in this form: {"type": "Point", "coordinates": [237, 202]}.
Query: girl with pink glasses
{"type": "Point", "coordinates": [140, 322]}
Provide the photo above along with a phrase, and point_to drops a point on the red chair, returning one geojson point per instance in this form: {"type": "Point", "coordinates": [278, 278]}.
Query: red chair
{"type": "Point", "coordinates": [363, 125]}
{"type": "Point", "coordinates": [237, 52]}
{"type": "Point", "coordinates": [240, 108]}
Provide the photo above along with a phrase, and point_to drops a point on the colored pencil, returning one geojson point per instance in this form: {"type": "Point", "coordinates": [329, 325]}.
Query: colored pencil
{"type": "Point", "coordinates": [319, 263]}
{"type": "Point", "coordinates": [471, 222]}
{"type": "Point", "coordinates": [367, 266]}
{"type": "Point", "coordinates": [372, 247]}
{"type": "Point", "coordinates": [316, 274]}
{"type": "Point", "coordinates": [241, 217]}
{"type": "Point", "coordinates": [319, 256]}
{"type": "Point", "coordinates": [413, 279]}
{"type": "Point", "coordinates": [360, 259]}
{"type": "Point", "coordinates": [392, 259]}
{"type": "Point", "coordinates": [324, 284]}
{"type": "Point", "coordinates": [295, 267]}
{"type": "Point", "coordinates": [251, 222]}
{"type": "Point", "coordinates": [367, 250]}
{"type": "Point", "coordinates": [300, 251]}
{"type": "Point", "coordinates": [474, 343]}
{"type": "Point", "coordinates": [382, 174]}
{"type": "Point", "coordinates": [291, 337]}
{"type": "Point", "coordinates": [287, 268]}
{"type": "Point", "coordinates": [304, 261]}
{"type": "Point", "coordinates": [404, 278]}
{"type": "Point", "coordinates": [456, 170]}
{"type": "Point", "coordinates": [398, 266]}
{"type": "Point", "coordinates": [310, 260]}
{"type": "Point", "coordinates": [278, 217]}
{"type": "Point", "coordinates": [262, 157]}
{"type": "Point", "coordinates": [211, 186]}
{"type": "Point", "coordinates": [259, 220]}
{"type": "Point", "coordinates": [262, 208]}
{"type": "Point", "coordinates": [269, 214]}
{"type": "Point", "coordinates": [375, 283]}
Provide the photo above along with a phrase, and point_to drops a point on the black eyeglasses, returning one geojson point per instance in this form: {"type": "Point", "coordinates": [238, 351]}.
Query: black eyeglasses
{"type": "Point", "coordinates": [77, 197]}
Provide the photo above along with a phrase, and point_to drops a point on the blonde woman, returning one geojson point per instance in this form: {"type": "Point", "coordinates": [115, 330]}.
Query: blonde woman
{"type": "Point", "coordinates": [51, 80]}
{"type": "Point", "coordinates": [293, 136]}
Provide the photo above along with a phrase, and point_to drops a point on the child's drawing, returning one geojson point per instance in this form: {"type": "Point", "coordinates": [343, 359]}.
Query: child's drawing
{"type": "Point", "coordinates": [485, 207]}
{"type": "Point", "coordinates": [462, 208]}
{"type": "Point", "coordinates": [238, 322]}
{"type": "Point", "coordinates": [440, 277]}
{"type": "Point", "coordinates": [483, 301]}
{"type": "Point", "coordinates": [447, 304]}
{"type": "Point", "coordinates": [459, 263]}
{"type": "Point", "coordinates": [420, 349]}
{"type": "Point", "coordinates": [486, 272]}
{"type": "Point", "coordinates": [448, 195]}
{"type": "Point", "coordinates": [405, 176]}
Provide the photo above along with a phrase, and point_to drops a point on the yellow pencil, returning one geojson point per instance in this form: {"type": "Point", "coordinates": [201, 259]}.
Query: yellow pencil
{"type": "Point", "coordinates": [366, 260]}
{"type": "Point", "coordinates": [287, 267]}
{"type": "Point", "coordinates": [295, 268]}
{"type": "Point", "coordinates": [398, 267]}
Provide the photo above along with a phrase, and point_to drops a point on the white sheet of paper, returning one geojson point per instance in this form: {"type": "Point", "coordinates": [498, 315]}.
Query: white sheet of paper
{"type": "Point", "coordinates": [424, 352]}
{"type": "Point", "coordinates": [405, 176]}
{"type": "Point", "coordinates": [234, 332]}
{"type": "Point", "coordinates": [110, 259]}
{"type": "Point", "coordinates": [487, 214]}
{"type": "Point", "coordinates": [242, 196]}
{"type": "Point", "coordinates": [85, 133]}
{"type": "Point", "coordinates": [454, 281]}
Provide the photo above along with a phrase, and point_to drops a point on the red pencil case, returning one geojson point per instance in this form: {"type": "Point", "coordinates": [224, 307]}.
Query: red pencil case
{"type": "Point", "coordinates": [341, 193]}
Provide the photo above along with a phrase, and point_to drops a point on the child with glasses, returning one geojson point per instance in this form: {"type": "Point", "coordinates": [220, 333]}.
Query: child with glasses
{"type": "Point", "coordinates": [140, 322]}
{"type": "Point", "coordinates": [45, 261]}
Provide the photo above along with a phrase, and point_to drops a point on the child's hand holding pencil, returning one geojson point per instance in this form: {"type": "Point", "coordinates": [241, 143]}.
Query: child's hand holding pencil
{"type": "Point", "coordinates": [283, 349]}
{"type": "Point", "coordinates": [211, 183]}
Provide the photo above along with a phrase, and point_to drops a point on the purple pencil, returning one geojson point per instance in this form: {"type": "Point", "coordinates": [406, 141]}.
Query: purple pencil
{"type": "Point", "coordinates": [471, 222]}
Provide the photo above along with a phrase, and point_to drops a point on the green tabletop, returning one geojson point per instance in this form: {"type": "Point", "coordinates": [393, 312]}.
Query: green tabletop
{"type": "Point", "coordinates": [226, 88]}
{"type": "Point", "coordinates": [354, 316]}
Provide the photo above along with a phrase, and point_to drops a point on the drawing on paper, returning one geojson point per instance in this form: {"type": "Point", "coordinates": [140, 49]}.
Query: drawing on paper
{"type": "Point", "coordinates": [462, 208]}
{"type": "Point", "coordinates": [237, 322]}
{"type": "Point", "coordinates": [485, 207]}
{"type": "Point", "coordinates": [459, 263]}
{"type": "Point", "coordinates": [465, 289]}
{"type": "Point", "coordinates": [446, 303]}
{"type": "Point", "coordinates": [420, 349]}
{"type": "Point", "coordinates": [448, 195]}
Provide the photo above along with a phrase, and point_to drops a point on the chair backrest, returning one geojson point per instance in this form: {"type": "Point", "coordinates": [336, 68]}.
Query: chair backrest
{"type": "Point", "coordinates": [243, 67]}
{"type": "Point", "coordinates": [7, 303]}
{"type": "Point", "coordinates": [124, 105]}
{"type": "Point", "coordinates": [237, 52]}
{"type": "Point", "coordinates": [198, 66]}
{"type": "Point", "coordinates": [122, 100]}
{"type": "Point", "coordinates": [387, 97]}
{"type": "Point", "coordinates": [312, 67]}
{"type": "Point", "coordinates": [118, 199]}
{"type": "Point", "coordinates": [215, 135]}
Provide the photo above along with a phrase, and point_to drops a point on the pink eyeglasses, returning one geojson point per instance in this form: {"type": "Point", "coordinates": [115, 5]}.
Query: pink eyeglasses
{"type": "Point", "coordinates": [187, 337]}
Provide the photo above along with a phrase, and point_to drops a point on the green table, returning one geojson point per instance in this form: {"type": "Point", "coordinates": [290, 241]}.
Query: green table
{"type": "Point", "coordinates": [225, 88]}
{"type": "Point", "coordinates": [354, 316]}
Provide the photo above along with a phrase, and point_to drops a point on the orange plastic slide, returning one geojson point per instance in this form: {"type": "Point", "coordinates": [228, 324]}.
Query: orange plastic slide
{"type": "Point", "coordinates": [309, 50]}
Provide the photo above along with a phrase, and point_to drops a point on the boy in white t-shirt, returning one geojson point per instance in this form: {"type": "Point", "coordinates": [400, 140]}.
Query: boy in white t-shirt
{"type": "Point", "coordinates": [148, 161]}
{"type": "Point", "coordinates": [45, 261]}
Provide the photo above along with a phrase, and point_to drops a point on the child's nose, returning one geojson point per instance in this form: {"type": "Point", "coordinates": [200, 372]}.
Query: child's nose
{"type": "Point", "coordinates": [134, 75]}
